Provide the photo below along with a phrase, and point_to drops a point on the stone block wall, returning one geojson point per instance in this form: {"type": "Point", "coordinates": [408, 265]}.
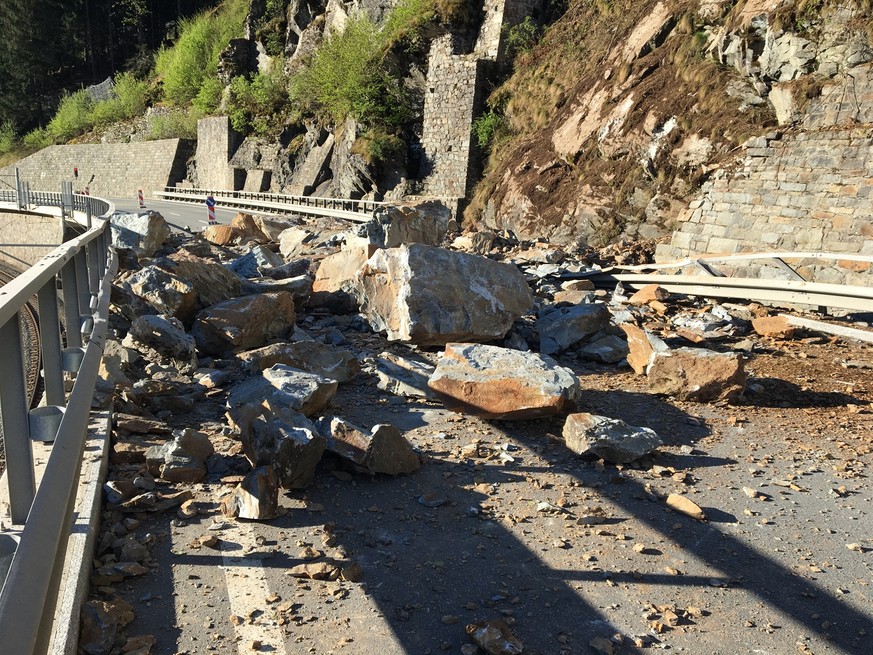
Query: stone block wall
{"type": "Point", "coordinates": [118, 169]}
{"type": "Point", "coordinates": [216, 144]}
{"type": "Point", "coordinates": [809, 189]}
{"type": "Point", "coordinates": [456, 87]}
{"type": "Point", "coordinates": [27, 238]}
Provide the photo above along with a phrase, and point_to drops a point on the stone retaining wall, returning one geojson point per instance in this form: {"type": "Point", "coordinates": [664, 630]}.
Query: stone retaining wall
{"type": "Point", "coordinates": [27, 238]}
{"type": "Point", "coordinates": [809, 189]}
{"type": "Point", "coordinates": [118, 169]}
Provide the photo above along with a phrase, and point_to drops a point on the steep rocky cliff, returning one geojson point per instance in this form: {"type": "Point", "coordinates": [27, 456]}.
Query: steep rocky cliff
{"type": "Point", "coordinates": [624, 109]}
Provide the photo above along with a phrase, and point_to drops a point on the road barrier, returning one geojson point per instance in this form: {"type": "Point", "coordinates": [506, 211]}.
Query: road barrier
{"type": "Point", "coordinates": [354, 210]}
{"type": "Point", "coordinates": [83, 269]}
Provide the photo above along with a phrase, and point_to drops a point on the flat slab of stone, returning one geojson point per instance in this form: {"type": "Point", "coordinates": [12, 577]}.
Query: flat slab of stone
{"type": "Point", "coordinates": [285, 386]}
{"type": "Point", "coordinates": [310, 356]}
{"type": "Point", "coordinates": [500, 383]}
{"type": "Point", "coordinates": [383, 449]}
{"type": "Point", "coordinates": [563, 327]}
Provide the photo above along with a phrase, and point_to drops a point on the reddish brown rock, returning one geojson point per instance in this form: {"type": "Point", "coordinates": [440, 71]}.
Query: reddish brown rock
{"type": "Point", "coordinates": [221, 235]}
{"type": "Point", "coordinates": [775, 327]}
{"type": "Point", "coordinates": [334, 279]}
{"type": "Point", "coordinates": [649, 294]}
{"type": "Point", "coordinates": [245, 322]}
{"type": "Point", "coordinates": [500, 383]}
{"type": "Point", "coordinates": [256, 497]}
{"type": "Point", "coordinates": [641, 344]}
{"type": "Point", "coordinates": [383, 450]}
{"type": "Point", "coordinates": [697, 374]}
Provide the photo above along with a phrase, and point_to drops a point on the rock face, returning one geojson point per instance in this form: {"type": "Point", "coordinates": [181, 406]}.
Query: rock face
{"type": "Point", "coordinates": [143, 233]}
{"type": "Point", "coordinates": [382, 450]}
{"type": "Point", "coordinates": [610, 439]}
{"type": "Point", "coordinates": [431, 296]}
{"type": "Point", "coordinates": [563, 327]}
{"type": "Point", "coordinates": [499, 383]}
{"type": "Point", "coordinates": [696, 374]}
{"type": "Point", "coordinates": [244, 323]}
{"type": "Point", "coordinates": [164, 338]}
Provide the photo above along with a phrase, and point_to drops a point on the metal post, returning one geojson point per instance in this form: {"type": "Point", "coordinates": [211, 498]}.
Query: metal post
{"type": "Point", "coordinates": [88, 212]}
{"type": "Point", "coordinates": [18, 190]}
{"type": "Point", "coordinates": [71, 305]}
{"type": "Point", "coordinates": [50, 338]}
{"type": "Point", "coordinates": [16, 433]}
{"type": "Point", "coordinates": [81, 264]}
{"type": "Point", "coordinates": [93, 266]}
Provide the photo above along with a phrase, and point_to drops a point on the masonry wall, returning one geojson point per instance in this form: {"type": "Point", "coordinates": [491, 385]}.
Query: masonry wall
{"type": "Point", "coordinates": [119, 169]}
{"type": "Point", "coordinates": [216, 144]}
{"type": "Point", "coordinates": [27, 238]}
{"type": "Point", "coordinates": [809, 189]}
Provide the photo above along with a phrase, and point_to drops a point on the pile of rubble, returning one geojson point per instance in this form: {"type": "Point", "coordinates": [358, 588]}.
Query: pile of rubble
{"type": "Point", "coordinates": [246, 329]}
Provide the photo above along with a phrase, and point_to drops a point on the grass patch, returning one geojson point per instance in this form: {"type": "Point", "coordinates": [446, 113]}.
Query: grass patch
{"type": "Point", "coordinates": [178, 124]}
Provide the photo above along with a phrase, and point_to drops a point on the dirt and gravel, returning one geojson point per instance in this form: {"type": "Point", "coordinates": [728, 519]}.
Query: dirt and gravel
{"type": "Point", "coordinates": [503, 522]}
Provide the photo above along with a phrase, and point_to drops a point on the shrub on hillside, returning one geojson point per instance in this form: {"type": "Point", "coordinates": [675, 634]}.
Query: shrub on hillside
{"type": "Point", "coordinates": [258, 104]}
{"type": "Point", "coordinates": [193, 59]}
{"type": "Point", "coordinates": [179, 124]}
{"type": "Point", "coordinates": [8, 138]}
{"type": "Point", "coordinates": [73, 116]}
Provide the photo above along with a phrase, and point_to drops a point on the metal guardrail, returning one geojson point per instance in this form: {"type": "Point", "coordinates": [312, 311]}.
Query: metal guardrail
{"type": "Point", "coordinates": [84, 267]}
{"type": "Point", "coordinates": [714, 284]}
{"type": "Point", "coordinates": [354, 210]}
{"type": "Point", "coordinates": [27, 200]}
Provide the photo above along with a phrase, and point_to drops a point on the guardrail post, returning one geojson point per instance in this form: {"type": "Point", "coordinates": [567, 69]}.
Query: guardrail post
{"type": "Point", "coordinates": [82, 289]}
{"type": "Point", "coordinates": [71, 305]}
{"type": "Point", "coordinates": [16, 433]}
{"type": "Point", "coordinates": [93, 267]}
{"type": "Point", "coordinates": [50, 338]}
{"type": "Point", "coordinates": [18, 190]}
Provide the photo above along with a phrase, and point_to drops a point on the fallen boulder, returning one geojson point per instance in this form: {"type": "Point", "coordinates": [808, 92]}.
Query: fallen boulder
{"type": "Point", "coordinates": [383, 450]}
{"type": "Point", "coordinates": [143, 233]}
{"type": "Point", "coordinates": [432, 296]}
{"type": "Point", "coordinates": [641, 344]}
{"type": "Point", "coordinates": [609, 349]}
{"type": "Point", "coordinates": [211, 280]}
{"type": "Point", "coordinates": [310, 356]}
{"type": "Point", "coordinates": [696, 374]}
{"type": "Point", "coordinates": [395, 225]}
{"type": "Point", "coordinates": [221, 235]}
{"type": "Point", "coordinates": [170, 293]}
{"type": "Point", "coordinates": [285, 386]}
{"type": "Point", "coordinates": [255, 498]}
{"type": "Point", "coordinates": [562, 327]}
{"type": "Point", "coordinates": [163, 339]}
{"type": "Point", "coordinates": [181, 460]}
{"type": "Point", "coordinates": [610, 439]}
{"type": "Point", "coordinates": [775, 327]}
{"type": "Point", "coordinates": [244, 323]}
{"type": "Point", "coordinates": [403, 376]}
{"type": "Point", "coordinates": [500, 383]}
{"type": "Point", "coordinates": [292, 451]}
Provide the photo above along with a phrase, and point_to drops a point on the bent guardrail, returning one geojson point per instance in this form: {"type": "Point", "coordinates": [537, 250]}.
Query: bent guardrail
{"type": "Point", "coordinates": [84, 269]}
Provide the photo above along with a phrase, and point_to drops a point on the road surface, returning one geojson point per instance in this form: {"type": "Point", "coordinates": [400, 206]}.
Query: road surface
{"type": "Point", "coordinates": [180, 215]}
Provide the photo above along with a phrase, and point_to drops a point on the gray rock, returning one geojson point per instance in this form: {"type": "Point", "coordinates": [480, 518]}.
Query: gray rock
{"type": "Point", "coordinates": [310, 356]}
{"type": "Point", "coordinates": [284, 386]}
{"type": "Point", "coordinates": [432, 296]}
{"type": "Point", "coordinates": [143, 233]}
{"type": "Point", "coordinates": [610, 439]}
{"type": "Point", "coordinates": [609, 349]}
{"type": "Point", "coordinates": [171, 294]}
{"type": "Point", "coordinates": [403, 376]}
{"type": "Point", "coordinates": [163, 339]}
{"type": "Point", "coordinates": [394, 225]}
{"type": "Point", "coordinates": [383, 450]}
{"type": "Point", "coordinates": [563, 327]}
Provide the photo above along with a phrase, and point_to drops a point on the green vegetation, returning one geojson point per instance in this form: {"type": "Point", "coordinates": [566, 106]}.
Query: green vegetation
{"type": "Point", "coordinates": [178, 124]}
{"type": "Point", "coordinates": [259, 104]}
{"type": "Point", "coordinates": [522, 37]}
{"type": "Point", "coordinates": [487, 127]}
{"type": "Point", "coordinates": [184, 68]}
{"type": "Point", "coordinates": [8, 138]}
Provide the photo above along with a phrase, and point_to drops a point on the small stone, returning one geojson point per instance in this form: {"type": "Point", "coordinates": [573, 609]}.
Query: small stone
{"type": "Point", "coordinates": [495, 637]}
{"type": "Point", "coordinates": [208, 541]}
{"type": "Point", "coordinates": [681, 504]}
{"type": "Point", "coordinates": [449, 619]}
{"type": "Point", "coordinates": [432, 499]}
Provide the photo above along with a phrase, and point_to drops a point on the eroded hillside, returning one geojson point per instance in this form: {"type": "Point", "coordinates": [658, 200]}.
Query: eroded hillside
{"type": "Point", "coordinates": [612, 122]}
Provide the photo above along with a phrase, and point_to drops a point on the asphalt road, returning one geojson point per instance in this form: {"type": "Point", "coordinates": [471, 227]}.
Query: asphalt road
{"type": "Point", "coordinates": [180, 215]}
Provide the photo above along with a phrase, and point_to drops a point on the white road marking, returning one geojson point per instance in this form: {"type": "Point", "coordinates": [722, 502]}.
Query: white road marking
{"type": "Point", "coordinates": [173, 214]}
{"type": "Point", "coordinates": [247, 590]}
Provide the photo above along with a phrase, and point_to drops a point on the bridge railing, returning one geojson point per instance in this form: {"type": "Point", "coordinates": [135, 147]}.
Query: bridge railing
{"type": "Point", "coordinates": [66, 200]}
{"type": "Point", "coordinates": [355, 210]}
{"type": "Point", "coordinates": [83, 269]}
